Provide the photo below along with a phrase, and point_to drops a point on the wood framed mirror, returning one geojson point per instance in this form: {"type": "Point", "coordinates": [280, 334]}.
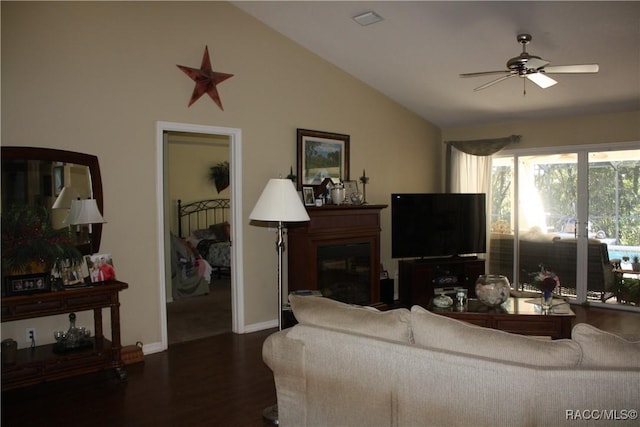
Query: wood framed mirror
{"type": "Point", "coordinates": [37, 176]}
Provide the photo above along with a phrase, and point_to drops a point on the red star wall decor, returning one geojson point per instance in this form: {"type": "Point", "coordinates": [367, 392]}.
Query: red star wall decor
{"type": "Point", "coordinates": [206, 80]}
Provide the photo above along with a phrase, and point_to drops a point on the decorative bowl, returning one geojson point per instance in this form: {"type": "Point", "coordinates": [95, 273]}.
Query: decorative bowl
{"type": "Point", "coordinates": [492, 290]}
{"type": "Point", "coordinates": [442, 301]}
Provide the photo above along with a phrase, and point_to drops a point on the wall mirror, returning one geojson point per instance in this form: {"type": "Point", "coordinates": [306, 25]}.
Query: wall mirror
{"type": "Point", "coordinates": [37, 177]}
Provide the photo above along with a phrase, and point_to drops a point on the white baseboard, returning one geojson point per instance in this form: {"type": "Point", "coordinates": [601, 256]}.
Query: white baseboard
{"type": "Point", "coordinates": [157, 346]}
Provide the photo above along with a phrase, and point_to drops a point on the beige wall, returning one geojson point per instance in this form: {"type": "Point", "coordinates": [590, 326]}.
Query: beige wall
{"type": "Point", "coordinates": [604, 128]}
{"type": "Point", "coordinates": [95, 77]}
{"type": "Point", "coordinates": [189, 165]}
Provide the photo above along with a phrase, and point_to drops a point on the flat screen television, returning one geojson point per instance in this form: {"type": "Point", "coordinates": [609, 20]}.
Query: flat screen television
{"type": "Point", "coordinates": [437, 225]}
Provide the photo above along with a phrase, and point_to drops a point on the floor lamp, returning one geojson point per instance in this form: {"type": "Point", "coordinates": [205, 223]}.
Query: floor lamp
{"type": "Point", "coordinates": [279, 202]}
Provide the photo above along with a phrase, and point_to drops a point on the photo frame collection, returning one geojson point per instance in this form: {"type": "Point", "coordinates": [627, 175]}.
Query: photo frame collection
{"type": "Point", "coordinates": [93, 270]}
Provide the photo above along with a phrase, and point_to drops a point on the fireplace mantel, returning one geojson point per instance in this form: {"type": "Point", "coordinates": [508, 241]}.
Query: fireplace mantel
{"type": "Point", "coordinates": [335, 226]}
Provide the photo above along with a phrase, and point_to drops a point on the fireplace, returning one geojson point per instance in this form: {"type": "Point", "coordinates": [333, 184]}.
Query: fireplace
{"type": "Point", "coordinates": [338, 253]}
{"type": "Point", "coordinates": [344, 271]}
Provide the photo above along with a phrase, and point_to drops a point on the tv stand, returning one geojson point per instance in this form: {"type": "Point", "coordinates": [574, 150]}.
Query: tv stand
{"type": "Point", "coordinates": [417, 279]}
{"type": "Point", "coordinates": [465, 257]}
{"type": "Point", "coordinates": [446, 258]}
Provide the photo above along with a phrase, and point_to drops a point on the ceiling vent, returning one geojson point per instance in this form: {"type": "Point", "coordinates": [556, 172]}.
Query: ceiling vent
{"type": "Point", "coordinates": [367, 18]}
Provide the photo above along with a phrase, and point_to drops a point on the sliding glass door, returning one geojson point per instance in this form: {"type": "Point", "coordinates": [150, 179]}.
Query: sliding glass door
{"type": "Point", "coordinates": [614, 220]}
{"type": "Point", "coordinates": [574, 214]}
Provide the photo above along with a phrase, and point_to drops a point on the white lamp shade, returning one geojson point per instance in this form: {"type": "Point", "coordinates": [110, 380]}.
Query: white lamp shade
{"type": "Point", "coordinates": [279, 201]}
{"type": "Point", "coordinates": [64, 199]}
{"type": "Point", "coordinates": [84, 212]}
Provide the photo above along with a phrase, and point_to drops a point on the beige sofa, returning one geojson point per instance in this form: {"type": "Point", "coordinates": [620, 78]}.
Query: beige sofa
{"type": "Point", "coordinates": [344, 365]}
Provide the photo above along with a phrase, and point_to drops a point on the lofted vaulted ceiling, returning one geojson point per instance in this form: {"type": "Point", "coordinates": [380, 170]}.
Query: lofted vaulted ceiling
{"type": "Point", "coordinates": [416, 53]}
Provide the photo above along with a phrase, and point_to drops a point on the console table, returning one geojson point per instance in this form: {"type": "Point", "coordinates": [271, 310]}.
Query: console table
{"type": "Point", "coordinates": [516, 315]}
{"type": "Point", "coordinates": [39, 364]}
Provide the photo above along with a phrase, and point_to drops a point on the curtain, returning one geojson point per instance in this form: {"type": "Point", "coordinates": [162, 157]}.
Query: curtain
{"type": "Point", "coordinates": [466, 169]}
{"type": "Point", "coordinates": [469, 169]}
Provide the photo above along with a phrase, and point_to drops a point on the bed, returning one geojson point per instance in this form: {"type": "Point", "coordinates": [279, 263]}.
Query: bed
{"type": "Point", "coordinates": [205, 225]}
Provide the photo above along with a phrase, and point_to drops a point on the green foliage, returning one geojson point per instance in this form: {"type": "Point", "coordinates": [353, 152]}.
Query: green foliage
{"type": "Point", "coordinates": [614, 196]}
{"type": "Point", "coordinates": [28, 237]}
{"type": "Point", "coordinates": [316, 158]}
{"type": "Point", "coordinates": [629, 291]}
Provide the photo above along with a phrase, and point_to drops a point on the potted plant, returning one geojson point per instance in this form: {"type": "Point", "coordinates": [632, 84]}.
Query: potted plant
{"type": "Point", "coordinates": [219, 175]}
{"type": "Point", "coordinates": [31, 245]}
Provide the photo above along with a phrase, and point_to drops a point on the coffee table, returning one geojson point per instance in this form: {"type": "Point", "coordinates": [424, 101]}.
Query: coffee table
{"type": "Point", "coordinates": [516, 315]}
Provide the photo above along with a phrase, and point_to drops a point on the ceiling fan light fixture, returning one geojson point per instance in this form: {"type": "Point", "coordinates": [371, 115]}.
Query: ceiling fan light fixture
{"type": "Point", "coordinates": [541, 80]}
{"type": "Point", "coordinates": [532, 67]}
{"type": "Point", "coordinates": [367, 18]}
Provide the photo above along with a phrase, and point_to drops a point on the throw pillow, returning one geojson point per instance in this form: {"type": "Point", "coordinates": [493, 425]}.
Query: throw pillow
{"type": "Point", "coordinates": [319, 311]}
{"type": "Point", "coordinates": [605, 350]}
{"type": "Point", "coordinates": [440, 332]}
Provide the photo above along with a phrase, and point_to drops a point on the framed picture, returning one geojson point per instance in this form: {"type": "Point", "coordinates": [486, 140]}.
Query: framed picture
{"type": "Point", "coordinates": [100, 268]}
{"type": "Point", "coordinates": [308, 196]}
{"type": "Point", "coordinates": [350, 187]}
{"type": "Point", "coordinates": [26, 284]}
{"type": "Point", "coordinates": [322, 155]}
{"type": "Point", "coordinates": [74, 276]}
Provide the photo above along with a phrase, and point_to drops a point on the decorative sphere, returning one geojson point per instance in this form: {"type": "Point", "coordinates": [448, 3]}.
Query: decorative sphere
{"type": "Point", "coordinates": [356, 198]}
{"type": "Point", "coordinates": [492, 290]}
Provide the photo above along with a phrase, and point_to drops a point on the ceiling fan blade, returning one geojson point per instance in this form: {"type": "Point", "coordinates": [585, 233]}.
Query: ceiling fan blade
{"type": "Point", "coordinates": [541, 80]}
{"type": "Point", "coordinates": [485, 73]}
{"type": "Point", "coordinates": [535, 63]}
{"type": "Point", "coordinates": [492, 82]}
{"type": "Point", "coordinates": [584, 68]}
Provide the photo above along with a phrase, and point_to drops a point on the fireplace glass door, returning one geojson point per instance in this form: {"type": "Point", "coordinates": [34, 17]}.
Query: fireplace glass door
{"type": "Point", "coordinates": [344, 272]}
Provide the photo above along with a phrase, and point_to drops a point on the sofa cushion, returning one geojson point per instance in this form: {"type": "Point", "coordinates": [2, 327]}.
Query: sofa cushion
{"type": "Point", "coordinates": [325, 312]}
{"type": "Point", "coordinates": [436, 331]}
{"type": "Point", "coordinates": [605, 350]}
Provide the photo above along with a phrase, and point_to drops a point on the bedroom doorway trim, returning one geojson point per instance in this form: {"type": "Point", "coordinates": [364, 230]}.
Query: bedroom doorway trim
{"type": "Point", "coordinates": [237, 278]}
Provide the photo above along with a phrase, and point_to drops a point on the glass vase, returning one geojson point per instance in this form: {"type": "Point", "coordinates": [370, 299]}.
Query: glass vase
{"type": "Point", "coordinates": [492, 289]}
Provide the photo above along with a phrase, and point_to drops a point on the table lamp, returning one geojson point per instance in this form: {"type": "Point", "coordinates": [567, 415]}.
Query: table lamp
{"type": "Point", "coordinates": [84, 212]}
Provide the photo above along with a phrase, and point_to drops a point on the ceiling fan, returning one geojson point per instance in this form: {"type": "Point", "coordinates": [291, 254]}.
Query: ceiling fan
{"type": "Point", "coordinates": [531, 67]}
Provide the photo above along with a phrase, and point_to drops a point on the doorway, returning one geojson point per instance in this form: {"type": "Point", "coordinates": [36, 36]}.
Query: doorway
{"type": "Point", "coordinates": [199, 293]}
{"type": "Point", "coordinates": [165, 214]}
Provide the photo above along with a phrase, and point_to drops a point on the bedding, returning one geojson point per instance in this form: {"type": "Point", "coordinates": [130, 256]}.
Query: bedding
{"type": "Point", "coordinates": [190, 274]}
{"type": "Point", "coordinates": [208, 231]}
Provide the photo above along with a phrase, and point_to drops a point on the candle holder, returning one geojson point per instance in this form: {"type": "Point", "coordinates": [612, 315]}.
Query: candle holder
{"type": "Point", "coordinates": [364, 179]}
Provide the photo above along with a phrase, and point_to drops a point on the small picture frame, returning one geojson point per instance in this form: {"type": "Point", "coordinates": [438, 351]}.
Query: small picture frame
{"type": "Point", "coordinates": [26, 284]}
{"type": "Point", "coordinates": [350, 187]}
{"type": "Point", "coordinates": [308, 196]}
{"type": "Point", "coordinates": [100, 268]}
{"type": "Point", "coordinates": [71, 276]}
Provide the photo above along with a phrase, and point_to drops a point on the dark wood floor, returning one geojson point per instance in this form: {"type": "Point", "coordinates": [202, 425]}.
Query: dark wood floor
{"type": "Point", "coordinates": [216, 381]}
